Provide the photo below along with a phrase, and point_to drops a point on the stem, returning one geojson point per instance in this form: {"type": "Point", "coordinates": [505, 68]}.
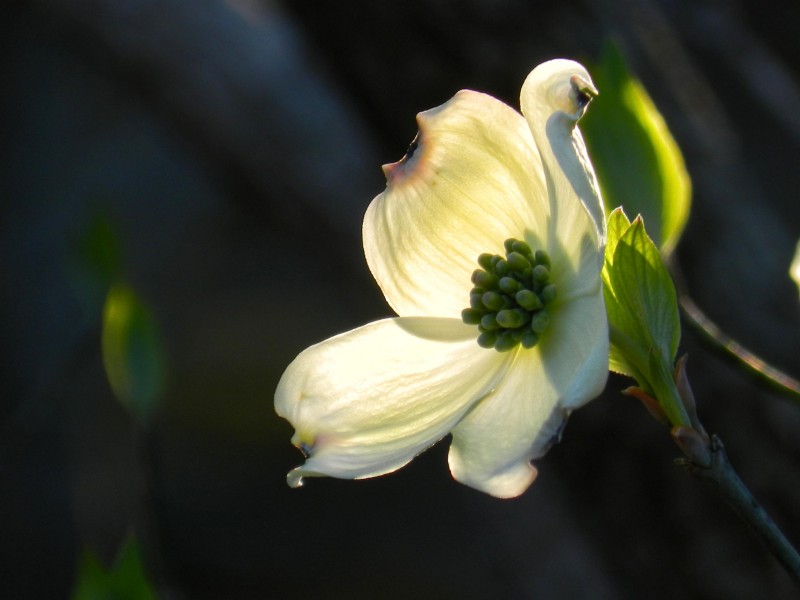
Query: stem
{"type": "Point", "coordinates": [699, 319]}
{"type": "Point", "coordinates": [724, 479]}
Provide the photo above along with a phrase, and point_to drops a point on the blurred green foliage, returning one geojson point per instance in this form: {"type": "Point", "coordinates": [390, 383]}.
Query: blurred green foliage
{"type": "Point", "coordinates": [132, 349]}
{"type": "Point", "coordinates": [95, 260]}
{"type": "Point", "coordinates": [133, 356]}
{"type": "Point", "coordinates": [638, 163]}
{"type": "Point", "coordinates": [125, 580]}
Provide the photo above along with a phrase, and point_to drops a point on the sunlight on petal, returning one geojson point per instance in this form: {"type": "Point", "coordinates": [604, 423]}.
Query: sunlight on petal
{"type": "Point", "coordinates": [473, 179]}
{"type": "Point", "coordinates": [524, 416]}
{"type": "Point", "coordinates": [366, 402]}
{"type": "Point", "coordinates": [552, 104]}
{"type": "Point", "coordinates": [492, 447]}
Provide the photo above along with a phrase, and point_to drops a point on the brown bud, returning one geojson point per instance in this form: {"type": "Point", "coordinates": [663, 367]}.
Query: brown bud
{"type": "Point", "coordinates": [650, 403]}
{"type": "Point", "coordinates": [695, 445]}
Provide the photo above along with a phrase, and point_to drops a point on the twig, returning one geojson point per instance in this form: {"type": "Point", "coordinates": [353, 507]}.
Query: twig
{"type": "Point", "coordinates": [700, 320]}
{"type": "Point", "coordinates": [724, 479]}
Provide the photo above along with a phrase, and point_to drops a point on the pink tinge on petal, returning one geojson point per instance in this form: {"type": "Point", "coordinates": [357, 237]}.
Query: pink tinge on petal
{"type": "Point", "coordinates": [397, 171]}
{"type": "Point", "coordinates": [471, 179]}
{"type": "Point", "coordinates": [417, 160]}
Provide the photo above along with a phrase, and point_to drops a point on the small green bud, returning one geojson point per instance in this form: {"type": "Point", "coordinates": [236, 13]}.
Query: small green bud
{"type": "Point", "coordinates": [528, 300]}
{"type": "Point", "coordinates": [509, 285]}
{"type": "Point", "coordinates": [518, 262]}
{"type": "Point", "coordinates": [509, 245]}
{"type": "Point", "coordinates": [517, 334]}
{"type": "Point", "coordinates": [485, 260]}
{"type": "Point", "coordinates": [509, 319]}
{"type": "Point", "coordinates": [487, 339]}
{"type": "Point", "coordinates": [470, 316]}
{"type": "Point", "coordinates": [529, 339]}
{"type": "Point", "coordinates": [541, 273]}
{"type": "Point", "coordinates": [542, 258]}
{"type": "Point", "coordinates": [494, 301]}
{"type": "Point", "coordinates": [502, 268]}
{"type": "Point", "coordinates": [484, 279]}
{"type": "Point", "coordinates": [489, 322]}
{"type": "Point", "coordinates": [549, 293]}
{"type": "Point", "coordinates": [540, 321]}
{"type": "Point", "coordinates": [505, 342]}
{"type": "Point", "coordinates": [522, 248]}
{"type": "Point", "coordinates": [475, 301]}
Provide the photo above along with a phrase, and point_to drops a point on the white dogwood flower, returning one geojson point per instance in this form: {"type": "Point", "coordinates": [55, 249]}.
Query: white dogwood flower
{"type": "Point", "coordinates": [488, 244]}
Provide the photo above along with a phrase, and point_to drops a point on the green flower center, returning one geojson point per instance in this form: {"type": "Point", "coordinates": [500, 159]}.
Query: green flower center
{"type": "Point", "coordinates": [509, 300]}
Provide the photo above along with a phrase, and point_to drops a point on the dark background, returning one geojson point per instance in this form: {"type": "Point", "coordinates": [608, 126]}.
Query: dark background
{"type": "Point", "coordinates": [234, 147]}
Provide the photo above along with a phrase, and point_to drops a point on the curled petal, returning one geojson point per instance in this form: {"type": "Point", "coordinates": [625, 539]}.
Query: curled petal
{"type": "Point", "coordinates": [494, 444]}
{"type": "Point", "coordinates": [365, 402]}
{"type": "Point", "coordinates": [554, 97]}
{"type": "Point", "coordinates": [472, 179]}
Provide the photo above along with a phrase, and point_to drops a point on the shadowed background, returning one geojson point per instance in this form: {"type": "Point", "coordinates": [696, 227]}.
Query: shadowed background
{"type": "Point", "coordinates": [232, 148]}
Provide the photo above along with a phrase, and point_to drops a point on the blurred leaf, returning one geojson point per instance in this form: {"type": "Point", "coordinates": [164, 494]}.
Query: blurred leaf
{"type": "Point", "coordinates": [639, 165]}
{"type": "Point", "coordinates": [126, 580]}
{"type": "Point", "coordinates": [95, 261]}
{"type": "Point", "coordinates": [794, 268]}
{"type": "Point", "coordinates": [132, 352]}
{"type": "Point", "coordinates": [642, 312]}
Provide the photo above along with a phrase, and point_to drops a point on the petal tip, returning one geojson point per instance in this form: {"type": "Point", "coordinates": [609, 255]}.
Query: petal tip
{"type": "Point", "coordinates": [508, 482]}
{"type": "Point", "coordinates": [397, 171]}
{"type": "Point", "coordinates": [295, 478]}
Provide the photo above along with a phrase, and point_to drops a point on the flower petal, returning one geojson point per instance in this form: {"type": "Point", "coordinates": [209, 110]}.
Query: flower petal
{"type": "Point", "coordinates": [472, 179]}
{"type": "Point", "coordinates": [365, 402]}
{"type": "Point", "coordinates": [553, 98]}
{"type": "Point", "coordinates": [524, 416]}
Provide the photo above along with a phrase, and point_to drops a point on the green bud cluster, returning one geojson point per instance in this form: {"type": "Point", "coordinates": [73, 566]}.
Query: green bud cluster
{"type": "Point", "coordinates": [508, 302]}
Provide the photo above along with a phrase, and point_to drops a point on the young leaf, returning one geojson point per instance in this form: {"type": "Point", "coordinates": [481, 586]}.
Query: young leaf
{"type": "Point", "coordinates": [642, 312]}
{"type": "Point", "coordinates": [644, 288]}
{"type": "Point", "coordinates": [638, 164]}
{"type": "Point", "coordinates": [618, 224]}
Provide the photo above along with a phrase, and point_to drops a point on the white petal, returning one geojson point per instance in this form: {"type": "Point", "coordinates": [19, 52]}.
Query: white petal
{"type": "Point", "coordinates": [493, 445]}
{"type": "Point", "coordinates": [365, 402]}
{"type": "Point", "coordinates": [474, 180]}
{"type": "Point", "coordinates": [550, 100]}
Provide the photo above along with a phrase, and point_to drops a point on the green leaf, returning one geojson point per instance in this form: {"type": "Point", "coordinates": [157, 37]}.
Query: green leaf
{"type": "Point", "coordinates": [618, 224]}
{"type": "Point", "coordinates": [642, 312]}
{"type": "Point", "coordinates": [638, 163]}
{"type": "Point", "coordinates": [126, 580]}
{"type": "Point", "coordinates": [644, 288]}
{"type": "Point", "coordinates": [132, 352]}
